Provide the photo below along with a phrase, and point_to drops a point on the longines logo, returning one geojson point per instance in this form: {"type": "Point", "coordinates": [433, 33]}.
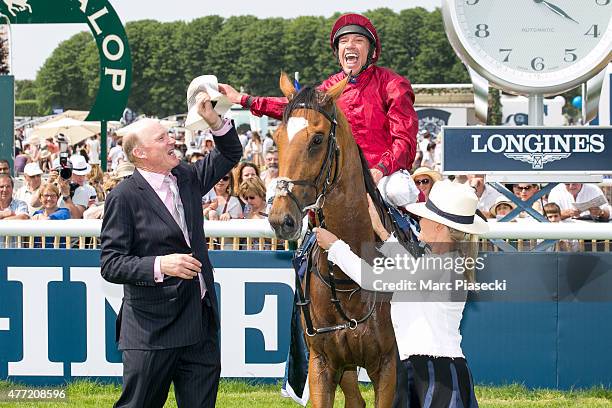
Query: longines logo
{"type": "Point", "coordinates": [538, 149]}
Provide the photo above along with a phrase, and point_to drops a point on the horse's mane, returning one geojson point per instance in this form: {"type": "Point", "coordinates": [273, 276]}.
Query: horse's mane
{"type": "Point", "coordinates": [308, 96]}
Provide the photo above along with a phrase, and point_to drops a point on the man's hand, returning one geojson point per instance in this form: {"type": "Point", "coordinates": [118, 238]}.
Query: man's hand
{"type": "Point", "coordinates": [376, 175]}
{"type": "Point", "coordinates": [64, 186]}
{"type": "Point", "coordinates": [598, 213]}
{"type": "Point", "coordinates": [180, 265]}
{"type": "Point", "coordinates": [325, 239]}
{"type": "Point", "coordinates": [570, 212]}
{"type": "Point", "coordinates": [231, 93]}
{"type": "Point", "coordinates": [206, 111]}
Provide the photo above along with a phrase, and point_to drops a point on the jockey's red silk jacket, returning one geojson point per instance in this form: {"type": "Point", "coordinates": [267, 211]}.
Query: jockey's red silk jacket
{"type": "Point", "coordinates": [379, 107]}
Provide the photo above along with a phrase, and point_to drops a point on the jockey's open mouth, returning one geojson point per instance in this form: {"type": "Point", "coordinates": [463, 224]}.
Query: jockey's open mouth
{"type": "Point", "coordinates": [351, 58]}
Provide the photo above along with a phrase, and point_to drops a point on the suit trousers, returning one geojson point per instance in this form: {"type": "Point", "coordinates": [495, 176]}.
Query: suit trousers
{"type": "Point", "coordinates": [194, 370]}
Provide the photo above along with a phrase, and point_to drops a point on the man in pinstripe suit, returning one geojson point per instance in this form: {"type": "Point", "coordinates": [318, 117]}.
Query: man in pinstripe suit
{"type": "Point", "coordinates": [153, 243]}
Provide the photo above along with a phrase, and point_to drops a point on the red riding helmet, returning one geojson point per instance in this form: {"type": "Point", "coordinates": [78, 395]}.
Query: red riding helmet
{"type": "Point", "coordinates": [354, 24]}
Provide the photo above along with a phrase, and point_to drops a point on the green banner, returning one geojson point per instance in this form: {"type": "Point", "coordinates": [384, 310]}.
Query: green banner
{"type": "Point", "coordinates": [7, 117]}
{"type": "Point", "coordinates": [110, 36]}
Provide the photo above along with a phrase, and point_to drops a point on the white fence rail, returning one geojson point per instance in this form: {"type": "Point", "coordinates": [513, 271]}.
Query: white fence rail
{"type": "Point", "coordinates": [261, 229]}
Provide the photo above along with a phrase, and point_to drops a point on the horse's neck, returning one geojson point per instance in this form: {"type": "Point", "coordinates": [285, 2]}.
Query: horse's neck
{"type": "Point", "coordinates": [346, 206]}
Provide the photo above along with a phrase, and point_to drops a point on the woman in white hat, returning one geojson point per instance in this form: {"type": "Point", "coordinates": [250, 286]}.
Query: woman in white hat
{"type": "Point", "coordinates": [433, 371]}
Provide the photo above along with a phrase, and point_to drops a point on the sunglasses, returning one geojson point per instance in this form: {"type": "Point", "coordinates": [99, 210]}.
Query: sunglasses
{"type": "Point", "coordinates": [225, 178]}
{"type": "Point", "coordinates": [526, 188]}
{"type": "Point", "coordinates": [422, 181]}
{"type": "Point", "coordinates": [249, 198]}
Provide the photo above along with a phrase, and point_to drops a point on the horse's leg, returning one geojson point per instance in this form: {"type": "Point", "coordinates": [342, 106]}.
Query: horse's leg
{"type": "Point", "coordinates": [383, 376]}
{"type": "Point", "coordinates": [321, 380]}
{"type": "Point", "coordinates": [350, 388]}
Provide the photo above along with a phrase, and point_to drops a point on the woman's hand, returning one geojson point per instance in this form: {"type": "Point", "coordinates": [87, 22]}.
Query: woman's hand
{"type": "Point", "coordinates": [325, 239]}
{"type": "Point", "coordinates": [225, 217]}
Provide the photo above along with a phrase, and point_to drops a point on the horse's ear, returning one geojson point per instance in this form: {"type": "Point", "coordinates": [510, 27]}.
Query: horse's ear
{"type": "Point", "coordinates": [286, 86]}
{"type": "Point", "coordinates": [335, 91]}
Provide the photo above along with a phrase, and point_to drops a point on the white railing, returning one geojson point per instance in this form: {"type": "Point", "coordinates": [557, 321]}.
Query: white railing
{"type": "Point", "coordinates": [262, 229]}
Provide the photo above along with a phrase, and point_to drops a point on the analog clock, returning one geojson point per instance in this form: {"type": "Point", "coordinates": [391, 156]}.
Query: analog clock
{"type": "Point", "coordinates": [531, 46]}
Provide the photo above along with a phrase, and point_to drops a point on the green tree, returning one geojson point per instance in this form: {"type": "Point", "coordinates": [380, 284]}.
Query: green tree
{"type": "Point", "coordinates": [60, 81]}
{"type": "Point", "coordinates": [193, 42]}
{"type": "Point", "coordinates": [436, 61]}
{"type": "Point", "coordinates": [4, 56]}
{"type": "Point", "coordinates": [394, 53]}
{"type": "Point", "coordinates": [165, 72]}
{"type": "Point", "coordinates": [411, 23]}
{"type": "Point", "coordinates": [302, 45]}
{"type": "Point", "coordinates": [25, 89]}
{"type": "Point", "coordinates": [226, 47]}
{"type": "Point", "coordinates": [141, 36]}
{"type": "Point", "coordinates": [261, 59]}
{"type": "Point", "coordinates": [494, 116]}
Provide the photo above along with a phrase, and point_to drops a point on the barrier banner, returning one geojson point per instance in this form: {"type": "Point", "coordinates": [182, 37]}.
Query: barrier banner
{"type": "Point", "coordinates": [57, 318]}
{"type": "Point", "coordinates": [495, 150]}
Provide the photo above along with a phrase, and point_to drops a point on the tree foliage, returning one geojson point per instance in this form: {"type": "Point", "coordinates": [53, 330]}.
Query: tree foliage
{"type": "Point", "coordinates": [62, 81]}
{"type": "Point", "coordinates": [245, 51]}
{"type": "Point", "coordinates": [4, 56]}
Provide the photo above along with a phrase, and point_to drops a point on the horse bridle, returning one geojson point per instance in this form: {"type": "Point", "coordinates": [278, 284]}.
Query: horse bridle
{"type": "Point", "coordinates": [284, 186]}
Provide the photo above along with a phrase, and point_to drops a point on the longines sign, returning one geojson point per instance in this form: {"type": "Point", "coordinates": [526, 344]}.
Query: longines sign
{"type": "Point", "coordinates": [110, 36]}
{"type": "Point", "coordinates": [496, 149]}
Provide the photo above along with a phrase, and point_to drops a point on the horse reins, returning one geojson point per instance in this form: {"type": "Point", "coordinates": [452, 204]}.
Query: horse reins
{"type": "Point", "coordinates": [307, 250]}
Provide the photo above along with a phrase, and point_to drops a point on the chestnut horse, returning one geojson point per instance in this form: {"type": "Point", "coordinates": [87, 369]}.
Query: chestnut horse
{"type": "Point", "coordinates": [322, 169]}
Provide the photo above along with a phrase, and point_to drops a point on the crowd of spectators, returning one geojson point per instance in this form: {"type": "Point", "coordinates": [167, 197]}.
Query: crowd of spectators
{"type": "Point", "coordinates": [41, 190]}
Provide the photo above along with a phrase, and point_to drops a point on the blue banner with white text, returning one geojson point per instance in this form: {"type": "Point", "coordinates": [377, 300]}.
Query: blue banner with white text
{"type": "Point", "coordinates": [494, 149]}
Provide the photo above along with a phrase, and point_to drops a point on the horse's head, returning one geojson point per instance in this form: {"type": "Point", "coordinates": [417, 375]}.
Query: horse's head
{"type": "Point", "coordinates": [308, 154]}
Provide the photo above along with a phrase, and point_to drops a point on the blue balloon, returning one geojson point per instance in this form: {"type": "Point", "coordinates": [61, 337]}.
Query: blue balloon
{"type": "Point", "coordinates": [577, 102]}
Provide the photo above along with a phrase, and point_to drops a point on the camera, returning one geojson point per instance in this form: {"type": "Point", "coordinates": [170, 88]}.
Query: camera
{"type": "Point", "coordinates": [65, 169]}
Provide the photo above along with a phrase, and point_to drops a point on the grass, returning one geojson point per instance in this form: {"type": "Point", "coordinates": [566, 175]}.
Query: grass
{"type": "Point", "coordinates": [240, 394]}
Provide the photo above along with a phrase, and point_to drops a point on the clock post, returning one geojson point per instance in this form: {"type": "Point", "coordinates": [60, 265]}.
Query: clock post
{"type": "Point", "coordinates": [536, 109]}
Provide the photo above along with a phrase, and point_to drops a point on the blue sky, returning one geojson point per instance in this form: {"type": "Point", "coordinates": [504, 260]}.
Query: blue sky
{"type": "Point", "coordinates": [32, 44]}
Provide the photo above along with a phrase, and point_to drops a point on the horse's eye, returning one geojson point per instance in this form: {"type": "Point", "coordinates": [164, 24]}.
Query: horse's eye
{"type": "Point", "coordinates": [317, 139]}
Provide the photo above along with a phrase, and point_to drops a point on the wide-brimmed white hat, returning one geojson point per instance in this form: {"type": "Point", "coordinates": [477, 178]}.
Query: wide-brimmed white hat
{"type": "Point", "coordinates": [32, 169]}
{"type": "Point", "coordinates": [80, 167]}
{"type": "Point", "coordinates": [221, 103]}
{"type": "Point", "coordinates": [453, 205]}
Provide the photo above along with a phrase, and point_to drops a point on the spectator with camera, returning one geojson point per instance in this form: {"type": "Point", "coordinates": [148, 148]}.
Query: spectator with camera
{"type": "Point", "coordinates": [71, 178]}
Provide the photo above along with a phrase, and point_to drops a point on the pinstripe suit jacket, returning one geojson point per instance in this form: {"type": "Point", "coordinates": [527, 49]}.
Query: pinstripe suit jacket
{"type": "Point", "coordinates": [136, 228]}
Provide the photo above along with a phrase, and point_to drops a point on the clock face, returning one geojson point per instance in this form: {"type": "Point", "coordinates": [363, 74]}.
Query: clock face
{"type": "Point", "coordinates": [527, 46]}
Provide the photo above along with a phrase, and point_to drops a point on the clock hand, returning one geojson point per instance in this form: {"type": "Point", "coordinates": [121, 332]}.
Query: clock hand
{"type": "Point", "coordinates": [556, 9]}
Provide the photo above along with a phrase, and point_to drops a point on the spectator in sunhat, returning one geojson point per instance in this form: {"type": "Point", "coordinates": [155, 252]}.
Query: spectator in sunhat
{"type": "Point", "coordinates": [29, 191]}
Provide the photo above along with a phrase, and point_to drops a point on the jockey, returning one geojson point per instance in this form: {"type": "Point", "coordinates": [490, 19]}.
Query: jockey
{"type": "Point", "coordinates": [377, 102]}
